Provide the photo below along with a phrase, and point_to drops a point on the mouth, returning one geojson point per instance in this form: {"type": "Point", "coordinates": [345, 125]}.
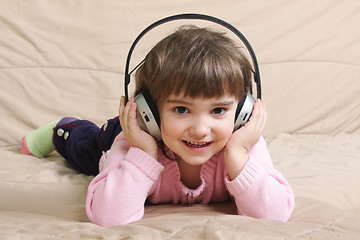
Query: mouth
{"type": "Point", "coordinates": [196, 144]}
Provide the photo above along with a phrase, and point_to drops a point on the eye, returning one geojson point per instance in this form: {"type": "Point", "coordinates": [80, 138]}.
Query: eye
{"type": "Point", "coordinates": [181, 110]}
{"type": "Point", "coordinates": [219, 111]}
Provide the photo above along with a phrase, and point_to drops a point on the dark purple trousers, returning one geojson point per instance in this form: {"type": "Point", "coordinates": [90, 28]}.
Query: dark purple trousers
{"type": "Point", "coordinates": [82, 143]}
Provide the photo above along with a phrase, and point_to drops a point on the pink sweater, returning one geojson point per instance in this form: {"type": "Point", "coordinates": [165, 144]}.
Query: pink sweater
{"type": "Point", "coordinates": [129, 176]}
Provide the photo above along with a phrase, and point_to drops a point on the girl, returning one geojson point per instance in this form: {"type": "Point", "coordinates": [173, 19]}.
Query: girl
{"type": "Point", "coordinates": [196, 78]}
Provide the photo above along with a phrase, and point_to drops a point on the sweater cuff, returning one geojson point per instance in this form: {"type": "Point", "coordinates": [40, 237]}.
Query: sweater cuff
{"type": "Point", "coordinates": [144, 162]}
{"type": "Point", "coordinates": [246, 178]}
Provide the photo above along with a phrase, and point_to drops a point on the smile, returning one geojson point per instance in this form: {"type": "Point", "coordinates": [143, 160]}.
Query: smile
{"type": "Point", "coordinates": [197, 144]}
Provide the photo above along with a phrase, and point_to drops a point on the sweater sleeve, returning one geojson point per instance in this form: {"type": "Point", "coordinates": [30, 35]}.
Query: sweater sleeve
{"type": "Point", "coordinates": [117, 194]}
{"type": "Point", "coordinates": [260, 190]}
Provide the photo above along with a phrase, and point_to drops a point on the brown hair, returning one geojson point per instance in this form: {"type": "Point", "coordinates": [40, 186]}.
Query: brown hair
{"type": "Point", "coordinates": [196, 62]}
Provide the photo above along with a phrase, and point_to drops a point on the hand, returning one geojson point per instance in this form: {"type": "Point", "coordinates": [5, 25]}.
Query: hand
{"type": "Point", "coordinates": [235, 151]}
{"type": "Point", "coordinates": [249, 134]}
{"type": "Point", "coordinates": [135, 136]}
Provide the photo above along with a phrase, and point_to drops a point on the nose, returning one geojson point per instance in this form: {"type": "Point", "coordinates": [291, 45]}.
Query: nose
{"type": "Point", "coordinates": [199, 128]}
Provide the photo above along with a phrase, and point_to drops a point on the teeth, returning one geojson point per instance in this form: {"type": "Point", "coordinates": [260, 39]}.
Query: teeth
{"type": "Point", "coordinates": [197, 144]}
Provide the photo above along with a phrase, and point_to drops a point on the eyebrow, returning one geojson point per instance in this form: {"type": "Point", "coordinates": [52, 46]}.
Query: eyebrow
{"type": "Point", "coordinates": [184, 102]}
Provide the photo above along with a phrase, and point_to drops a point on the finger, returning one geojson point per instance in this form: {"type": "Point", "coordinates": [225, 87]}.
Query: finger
{"type": "Point", "coordinates": [132, 123]}
{"type": "Point", "coordinates": [124, 116]}
{"type": "Point", "coordinates": [255, 114]}
{"type": "Point", "coordinates": [122, 101]}
{"type": "Point", "coordinates": [256, 119]}
{"type": "Point", "coordinates": [265, 116]}
{"type": "Point", "coordinates": [262, 117]}
{"type": "Point", "coordinates": [121, 111]}
{"type": "Point", "coordinates": [122, 105]}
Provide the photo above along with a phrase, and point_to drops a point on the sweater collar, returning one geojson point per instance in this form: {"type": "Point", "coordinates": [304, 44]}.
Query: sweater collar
{"type": "Point", "coordinates": [207, 172]}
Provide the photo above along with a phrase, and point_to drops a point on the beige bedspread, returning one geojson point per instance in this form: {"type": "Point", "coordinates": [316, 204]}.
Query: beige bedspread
{"type": "Point", "coordinates": [61, 58]}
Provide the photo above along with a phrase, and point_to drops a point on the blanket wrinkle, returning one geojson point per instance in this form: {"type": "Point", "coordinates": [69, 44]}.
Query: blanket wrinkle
{"type": "Point", "coordinates": [61, 68]}
{"type": "Point", "coordinates": [309, 61]}
{"type": "Point", "coordinates": [183, 228]}
{"type": "Point", "coordinates": [177, 231]}
{"type": "Point", "coordinates": [323, 227]}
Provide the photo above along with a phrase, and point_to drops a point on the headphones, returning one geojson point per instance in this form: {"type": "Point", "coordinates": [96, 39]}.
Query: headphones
{"type": "Point", "coordinates": [147, 112]}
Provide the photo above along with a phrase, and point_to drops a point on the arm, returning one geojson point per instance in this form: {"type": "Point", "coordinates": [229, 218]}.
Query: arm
{"type": "Point", "coordinates": [117, 195]}
{"type": "Point", "coordinates": [259, 190]}
{"type": "Point", "coordinates": [135, 136]}
{"type": "Point", "coordinates": [236, 150]}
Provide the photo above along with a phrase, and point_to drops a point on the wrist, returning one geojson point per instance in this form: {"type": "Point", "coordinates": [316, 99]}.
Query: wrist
{"type": "Point", "coordinates": [235, 150]}
{"type": "Point", "coordinates": [235, 160]}
{"type": "Point", "coordinates": [152, 152]}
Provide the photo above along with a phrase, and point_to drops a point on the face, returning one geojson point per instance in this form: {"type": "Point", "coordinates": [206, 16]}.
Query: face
{"type": "Point", "coordinates": [195, 129]}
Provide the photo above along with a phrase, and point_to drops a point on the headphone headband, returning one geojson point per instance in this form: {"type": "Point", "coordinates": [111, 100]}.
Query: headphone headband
{"type": "Point", "coordinates": [200, 17]}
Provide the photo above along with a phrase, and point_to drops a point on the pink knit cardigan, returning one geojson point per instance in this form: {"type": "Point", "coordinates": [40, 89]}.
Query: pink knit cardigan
{"type": "Point", "coordinates": [128, 177]}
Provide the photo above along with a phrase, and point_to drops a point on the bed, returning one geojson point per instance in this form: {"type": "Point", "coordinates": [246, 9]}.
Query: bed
{"type": "Point", "coordinates": [67, 58]}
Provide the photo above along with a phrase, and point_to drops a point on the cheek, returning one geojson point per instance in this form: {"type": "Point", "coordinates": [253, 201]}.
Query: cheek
{"type": "Point", "coordinates": [171, 133]}
{"type": "Point", "coordinates": [226, 129]}
{"type": "Point", "coordinates": [227, 132]}
{"type": "Point", "coordinates": [171, 128]}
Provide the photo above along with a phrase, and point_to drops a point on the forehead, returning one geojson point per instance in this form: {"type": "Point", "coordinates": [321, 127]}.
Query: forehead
{"type": "Point", "coordinates": [182, 99]}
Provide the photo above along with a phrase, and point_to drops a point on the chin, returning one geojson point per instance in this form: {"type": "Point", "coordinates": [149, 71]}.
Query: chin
{"type": "Point", "coordinates": [195, 160]}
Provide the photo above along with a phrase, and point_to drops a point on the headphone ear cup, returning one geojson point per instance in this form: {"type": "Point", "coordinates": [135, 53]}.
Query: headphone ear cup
{"type": "Point", "coordinates": [147, 115]}
{"type": "Point", "coordinates": [243, 110]}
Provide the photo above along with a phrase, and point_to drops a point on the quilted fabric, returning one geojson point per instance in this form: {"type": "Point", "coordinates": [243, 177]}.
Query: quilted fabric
{"type": "Point", "coordinates": [67, 58]}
